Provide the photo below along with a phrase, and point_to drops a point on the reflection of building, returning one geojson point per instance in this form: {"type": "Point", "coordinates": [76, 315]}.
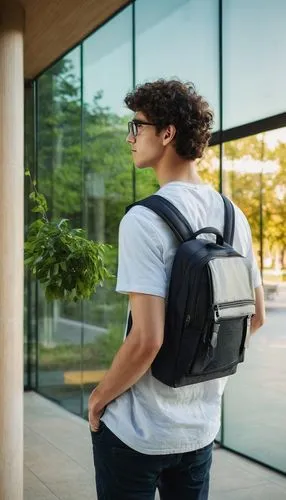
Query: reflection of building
{"type": "Point", "coordinates": [72, 109]}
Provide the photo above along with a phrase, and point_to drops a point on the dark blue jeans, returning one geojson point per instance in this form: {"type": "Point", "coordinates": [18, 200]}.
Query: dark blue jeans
{"type": "Point", "coordinates": [125, 474]}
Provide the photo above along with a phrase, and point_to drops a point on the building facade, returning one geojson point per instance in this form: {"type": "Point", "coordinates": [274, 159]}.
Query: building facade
{"type": "Point", "coordinates": [75, 130]}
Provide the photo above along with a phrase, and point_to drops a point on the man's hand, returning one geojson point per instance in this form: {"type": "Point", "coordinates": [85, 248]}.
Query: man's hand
{"type": "Point", "coordinates": [94, 413]}
{"type": "Point", "coordinates": [258, 318]}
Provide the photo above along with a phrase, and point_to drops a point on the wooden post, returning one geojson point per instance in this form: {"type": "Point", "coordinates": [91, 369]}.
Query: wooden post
{"type": "Point", "coordinates": [11, 249]}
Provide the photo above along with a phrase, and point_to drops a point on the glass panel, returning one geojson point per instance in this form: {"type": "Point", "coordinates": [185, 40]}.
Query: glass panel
{"type": "Point", "coordinates": [60, 179]}
{"type": "Point", "coordinates": [208, 166]}
{"type": "Point", "coordinates": [254, 40]}
{"type": "Point", "coordinates": [255, 398]}
{"type": "Point", "coordinates": [107, 76]}
{"type": "Point", "coordinates": [179, 38]}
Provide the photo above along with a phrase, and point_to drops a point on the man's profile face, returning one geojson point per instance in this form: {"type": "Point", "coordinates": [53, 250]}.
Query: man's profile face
{"type": "Point", "coordinates": [146, 145]}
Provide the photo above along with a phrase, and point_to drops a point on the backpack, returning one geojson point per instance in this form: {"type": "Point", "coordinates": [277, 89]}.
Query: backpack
{"type": "Point", "coordinates": [209, 305]}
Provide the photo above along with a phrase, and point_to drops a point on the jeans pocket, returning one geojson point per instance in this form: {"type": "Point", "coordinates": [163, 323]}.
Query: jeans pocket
{"type": "Point", "coordinates": [99, 432]}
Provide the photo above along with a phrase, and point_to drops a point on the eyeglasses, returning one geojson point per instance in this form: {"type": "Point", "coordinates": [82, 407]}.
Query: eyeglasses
{"type": "Point", "coordinates": [133, 126]}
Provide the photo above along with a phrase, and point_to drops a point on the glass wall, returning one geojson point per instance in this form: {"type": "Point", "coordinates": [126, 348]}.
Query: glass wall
{"type": "Point", "coordinates": [254, 170]}
{"type": "Point", "coordinates": [254, 40]}
{"type": "Point", "coordinates": [84, 168]}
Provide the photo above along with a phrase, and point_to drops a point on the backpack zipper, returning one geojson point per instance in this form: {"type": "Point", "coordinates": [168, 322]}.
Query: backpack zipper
{"type": "Point", "coordinates": [191, 307]}
{"type": "Point", "coordinates": [226, 305]}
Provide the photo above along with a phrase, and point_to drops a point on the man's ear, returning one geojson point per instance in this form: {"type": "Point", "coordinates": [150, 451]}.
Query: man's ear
{"type": "Point", "coordinates": [169, 134]}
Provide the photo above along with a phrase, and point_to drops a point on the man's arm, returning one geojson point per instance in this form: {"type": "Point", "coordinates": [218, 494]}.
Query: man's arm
{"type": "Point", "coordinates": [135, 356]}
{"type": "Point", "coordinates": [259, 317]}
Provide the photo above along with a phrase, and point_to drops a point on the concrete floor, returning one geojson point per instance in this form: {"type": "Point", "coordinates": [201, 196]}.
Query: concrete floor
{"type": "Point", "coordinates": [58, 461]}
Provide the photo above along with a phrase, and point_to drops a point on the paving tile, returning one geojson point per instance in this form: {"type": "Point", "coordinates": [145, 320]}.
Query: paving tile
{"type": "Point", "coordinates": [35, 489]}
{"type": "Point", "coordinates": [65, 431]}
{"type": "Point", "coordinates": [227, 473]}
{"type": "Point", "coordinates": [78, 490]}
{"type": "Point", "coordinates": [49, 463]}
{"type": "Point", "coordinates": [261, 471]}
{"type": "Point", "coordinates": [280, 480]}
{"type": "Point", "coordinates": [52, 468]}
{"type": "Point", "coordinates": [75, 445]}
{"type": "Point", "coordinates": [236, 478]}
{"type": "Point", "coordinates": [263, 492]}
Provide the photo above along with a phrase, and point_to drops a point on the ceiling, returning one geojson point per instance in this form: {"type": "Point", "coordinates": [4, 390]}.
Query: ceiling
{"type": "Point", "coordinates": [54, 26]}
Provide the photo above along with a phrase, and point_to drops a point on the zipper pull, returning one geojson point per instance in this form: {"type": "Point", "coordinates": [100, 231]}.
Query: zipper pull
{"type": "Point", "coordinates": [216, 313]}
{"type": "Point", "coordinates": [215, 335]}
{"type": "Point", "coordinates": [247, 336]}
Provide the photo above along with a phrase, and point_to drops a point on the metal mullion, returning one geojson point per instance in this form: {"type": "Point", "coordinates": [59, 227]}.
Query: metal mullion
{"type": "Point", "coordinates": [220, 35]}
{"type": "Point", "coordinates": [133, 85]}
{"type": "Point", "coordinates": [36, 175]}
{"type": "Point", "coordinates": [253, 128]}
{"type": "Point", "coordinates": [82, 222]}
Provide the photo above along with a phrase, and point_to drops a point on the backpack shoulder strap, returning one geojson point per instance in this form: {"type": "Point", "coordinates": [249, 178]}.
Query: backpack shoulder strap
{"type": "Point", "coordinates": [172, 216]}
{"type": "Point", "coordinates": [229, 220]}
{"type": "Point", "coordinates": [169, 213]}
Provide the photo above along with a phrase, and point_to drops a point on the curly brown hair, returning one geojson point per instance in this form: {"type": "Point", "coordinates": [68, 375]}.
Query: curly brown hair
{"type": "Point", "coordinates": [172, 102]}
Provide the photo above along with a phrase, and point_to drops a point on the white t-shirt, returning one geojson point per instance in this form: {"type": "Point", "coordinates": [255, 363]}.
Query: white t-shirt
{"type": "Point", "coordinates": [152, 417]}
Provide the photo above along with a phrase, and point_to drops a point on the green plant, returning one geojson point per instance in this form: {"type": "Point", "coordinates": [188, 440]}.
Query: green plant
{"type": "Point", "coordinates": [67, 264]}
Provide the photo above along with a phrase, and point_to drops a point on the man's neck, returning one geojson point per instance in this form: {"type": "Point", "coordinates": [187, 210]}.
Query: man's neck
{"type": "Point", "coordinates": [181, 171]}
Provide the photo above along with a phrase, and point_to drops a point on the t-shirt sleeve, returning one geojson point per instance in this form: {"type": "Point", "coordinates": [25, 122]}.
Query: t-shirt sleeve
{"type": "Point", "coordinates": [141, 266]}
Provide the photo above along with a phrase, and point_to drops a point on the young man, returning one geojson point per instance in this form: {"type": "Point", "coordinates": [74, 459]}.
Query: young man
{"type": "Point", "coordinates": [146, 434]}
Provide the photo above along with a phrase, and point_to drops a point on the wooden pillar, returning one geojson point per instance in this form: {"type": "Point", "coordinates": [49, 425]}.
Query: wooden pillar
{"type": "Point", "coordinates": [11, 249]}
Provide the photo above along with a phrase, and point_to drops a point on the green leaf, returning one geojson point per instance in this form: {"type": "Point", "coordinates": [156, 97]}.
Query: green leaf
{"type": "Point", "coordinates": [62, 222]}
{"type": "Point", "coordinates": [56, 269]}
{"type": "Point", "coordinates": [63, 266]}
